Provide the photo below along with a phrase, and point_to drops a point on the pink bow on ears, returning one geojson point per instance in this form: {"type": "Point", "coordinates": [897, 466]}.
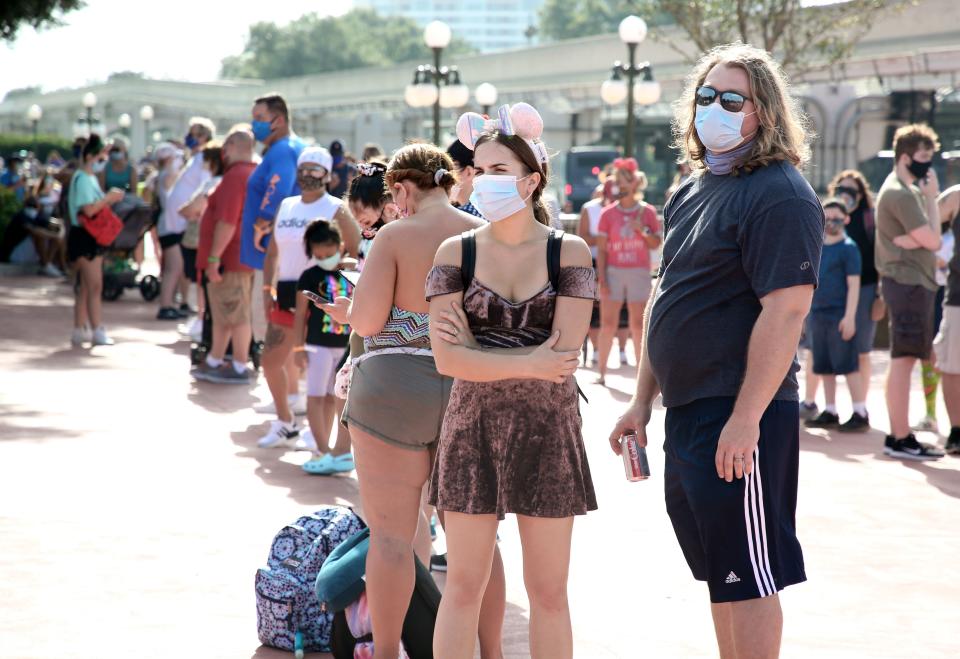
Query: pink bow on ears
{"type": "Point", "coordinates": [521, 119]}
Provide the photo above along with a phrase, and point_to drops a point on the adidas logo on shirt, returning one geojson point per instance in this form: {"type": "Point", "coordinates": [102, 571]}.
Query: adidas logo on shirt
{"type": "Point", "coordinates": [732, 578]}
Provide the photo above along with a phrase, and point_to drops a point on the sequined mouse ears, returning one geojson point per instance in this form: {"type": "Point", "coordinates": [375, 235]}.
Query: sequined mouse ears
{"type": "Point", "coordinates": [521, 119]}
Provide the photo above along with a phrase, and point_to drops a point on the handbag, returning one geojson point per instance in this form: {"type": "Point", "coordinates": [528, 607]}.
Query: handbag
{"type": "Point", "coordinates": [104, 226]}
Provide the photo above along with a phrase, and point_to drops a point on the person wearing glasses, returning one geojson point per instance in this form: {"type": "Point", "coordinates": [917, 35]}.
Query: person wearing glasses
{"type": "Point", "coordinates": [741, 254]}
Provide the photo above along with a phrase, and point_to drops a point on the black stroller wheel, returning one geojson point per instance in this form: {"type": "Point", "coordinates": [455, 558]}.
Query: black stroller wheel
{"type": "Point", "coordinates": [149, 288]}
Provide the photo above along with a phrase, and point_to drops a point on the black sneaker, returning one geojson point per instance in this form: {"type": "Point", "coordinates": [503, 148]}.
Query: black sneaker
{"type": "Point", "coordinates": [438, 563]}
{"type": "Point", "coordinates": [808, 411]}
{"type": "Point", "coordinates": [953, 442]}
{"type": "Point", "coordinates": [856, 423]}
{"type": "Point", "coordinates": [187, 310]}
{"type": "Point", "coordinates": [169, 313]}
{"type": "Point", "coordinates": [909, 448]}
{"type": "Point", "coordinates": [825, 420]}
{"type": "Point", "coordinates": [888, 443]}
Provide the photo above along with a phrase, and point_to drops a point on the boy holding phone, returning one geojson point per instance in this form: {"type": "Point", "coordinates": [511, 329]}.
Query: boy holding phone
{"type": "Point", "coordinates": [321, 346]}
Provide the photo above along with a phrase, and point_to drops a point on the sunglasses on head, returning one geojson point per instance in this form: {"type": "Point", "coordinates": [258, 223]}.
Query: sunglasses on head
{"type": "Point", "coordinates": [729, 101]}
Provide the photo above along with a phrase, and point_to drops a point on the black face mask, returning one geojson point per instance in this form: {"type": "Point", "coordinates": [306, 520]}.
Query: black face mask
{"type": "Point", "coordinates": [919, 169]}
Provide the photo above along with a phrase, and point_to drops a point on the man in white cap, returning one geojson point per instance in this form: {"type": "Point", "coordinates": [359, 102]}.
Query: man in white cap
{"type": "Point", "coordinates": [285, 261]}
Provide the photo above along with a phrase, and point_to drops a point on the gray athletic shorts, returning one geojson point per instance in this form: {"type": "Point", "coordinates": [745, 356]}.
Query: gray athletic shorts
{"type": "Point", "coordinates": [398, 398]}
{"type": "Point", "coordinates": [629, 284]}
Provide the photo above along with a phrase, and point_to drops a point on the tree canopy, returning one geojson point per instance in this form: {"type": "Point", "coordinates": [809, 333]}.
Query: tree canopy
{"type": "Point", "coordinates": [36, 13]}
{"type": "Point", "coordinates": [801, 37]}
{"type": "Point", "coordinates": [314, 44]}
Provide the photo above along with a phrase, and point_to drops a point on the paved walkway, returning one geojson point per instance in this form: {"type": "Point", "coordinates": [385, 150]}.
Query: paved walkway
{"type": "Point", "coordinates": [135, 509]}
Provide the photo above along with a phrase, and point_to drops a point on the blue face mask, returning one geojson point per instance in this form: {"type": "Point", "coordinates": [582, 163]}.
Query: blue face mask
{"type": "Point", "coordinates": [261, 130]}
{"type": "Point", "coordinates": [190, 141]}
{"type": "Point", "coordinates": [116, 156]}
{"type": "Point", "coordinates": [99, 166]}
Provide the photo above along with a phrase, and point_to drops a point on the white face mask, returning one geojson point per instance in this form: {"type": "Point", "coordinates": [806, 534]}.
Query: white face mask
{"type": "Point", "coordinates": [496, 196]}
{"type": "Point", "coordinates": [330, 263]}
{"type": "Point", "coordinates": [719, 129]}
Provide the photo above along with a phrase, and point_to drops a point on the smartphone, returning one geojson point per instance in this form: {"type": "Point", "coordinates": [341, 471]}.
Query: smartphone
{"type": "Point", "coordinates": [317, 299]}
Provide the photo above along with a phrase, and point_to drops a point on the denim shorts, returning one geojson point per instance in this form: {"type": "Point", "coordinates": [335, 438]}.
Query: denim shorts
{"type": "Point", "coordinates": [831, 354]}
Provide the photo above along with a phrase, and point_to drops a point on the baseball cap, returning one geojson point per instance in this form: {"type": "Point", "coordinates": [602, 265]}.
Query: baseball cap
{"type": "Point", "coordinates": [316, 155]}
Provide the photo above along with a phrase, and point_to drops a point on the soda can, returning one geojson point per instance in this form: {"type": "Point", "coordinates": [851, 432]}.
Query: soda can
{"type": "Point", "coordinates": [635, 464]}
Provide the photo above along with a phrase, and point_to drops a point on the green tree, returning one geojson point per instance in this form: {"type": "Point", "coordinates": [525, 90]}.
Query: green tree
{"type": "Point", "coordinates": [37, 13]}
{"type": "Point", "coordinates": [22, 91]}
{"type": "Point", "coordinates": [313, 44]}
{"type": "Point", "coordinates": [801, 37]}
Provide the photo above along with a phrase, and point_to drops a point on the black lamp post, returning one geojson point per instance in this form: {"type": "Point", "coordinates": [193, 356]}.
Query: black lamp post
{"type": "Point", "coordinates": [434, 84]}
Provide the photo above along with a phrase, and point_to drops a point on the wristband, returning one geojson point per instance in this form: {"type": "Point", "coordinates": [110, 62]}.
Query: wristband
{"type": "Point", "coordinates": [213, 259]}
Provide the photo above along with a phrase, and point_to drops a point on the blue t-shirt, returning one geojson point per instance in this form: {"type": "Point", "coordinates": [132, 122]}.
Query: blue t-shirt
{"type": "Point", "coordinates": [274, 179]}
{"type": "Point", "coordinates": [8, 179]}
{"type": "Point", "coordinates": [729, 241]}
{"type": "Point", "coordinates": [838, 262]}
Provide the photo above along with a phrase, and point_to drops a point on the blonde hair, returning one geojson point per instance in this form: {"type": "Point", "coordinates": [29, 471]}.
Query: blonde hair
{"type": "Point", "coordinates": [782, 132]}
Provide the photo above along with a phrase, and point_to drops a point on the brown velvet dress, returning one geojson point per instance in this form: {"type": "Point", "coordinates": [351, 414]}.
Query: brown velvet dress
{"type": "Point", "coordinates": [512, 446]}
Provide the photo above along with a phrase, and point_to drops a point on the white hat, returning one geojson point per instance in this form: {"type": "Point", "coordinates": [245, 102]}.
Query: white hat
{"type": "Point", "coordinates": [164, 150]}
{"type": "Point", "coordinates": [316, 155]}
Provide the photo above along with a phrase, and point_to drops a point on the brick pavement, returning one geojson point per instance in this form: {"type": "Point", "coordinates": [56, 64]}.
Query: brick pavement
{"type": "Point", "coordinates": [135, 508]}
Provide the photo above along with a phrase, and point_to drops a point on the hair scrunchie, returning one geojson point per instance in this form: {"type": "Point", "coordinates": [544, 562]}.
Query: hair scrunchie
{"type": "Point", "coordinates": [438, 175]}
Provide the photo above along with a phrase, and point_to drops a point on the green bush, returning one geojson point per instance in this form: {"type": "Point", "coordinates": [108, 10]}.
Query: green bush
{"type": "Point", "coordinates": [9, 206]}
{"type": "Point", "coordinates": [10, 142]}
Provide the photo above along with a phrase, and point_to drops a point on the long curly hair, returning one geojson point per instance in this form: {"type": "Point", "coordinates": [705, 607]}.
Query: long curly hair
{"type": "Point", "coordinates": [782, 134]}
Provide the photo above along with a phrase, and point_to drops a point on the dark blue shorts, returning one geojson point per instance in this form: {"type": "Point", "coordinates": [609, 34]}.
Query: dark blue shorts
{"type": "Point", "coordinates": [866, 326]}
{"type": "Point", "coordinates": [739, 537]}
{"type": "Point", "coordinates": [831, 354]}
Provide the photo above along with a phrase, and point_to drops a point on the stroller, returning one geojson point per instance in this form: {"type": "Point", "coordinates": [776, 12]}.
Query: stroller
{"type": "Point", "coordinates": [118, 272]}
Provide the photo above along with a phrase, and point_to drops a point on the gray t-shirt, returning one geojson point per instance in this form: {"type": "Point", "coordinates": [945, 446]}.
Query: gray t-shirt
{"type": "Point", "coordinates": [729, 241]}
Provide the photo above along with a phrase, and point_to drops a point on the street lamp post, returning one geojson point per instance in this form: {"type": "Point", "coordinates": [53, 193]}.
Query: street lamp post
{"type": "Point", "coordinates": [486, 96]}
{"type": "Point", "coordinates": [89, 102]}
{"type": "Point", "coordinates": [34, 114]}
{"type": "Point", "coordinates": [146, 116]}
{"type": "Point", "coordinates": [436, 85]}
{"type": "Point", "coordinates": [124, 122]}
{"type": "Point", "coordinates": [633, 30]}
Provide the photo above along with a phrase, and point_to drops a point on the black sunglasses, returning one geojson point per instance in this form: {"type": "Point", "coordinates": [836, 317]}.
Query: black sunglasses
{"type": "Point", "coordinates": [729, 101]}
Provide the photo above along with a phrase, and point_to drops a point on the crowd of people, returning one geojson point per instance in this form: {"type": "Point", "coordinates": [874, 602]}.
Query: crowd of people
{"type": "Point", "coordinates": [431, 360]}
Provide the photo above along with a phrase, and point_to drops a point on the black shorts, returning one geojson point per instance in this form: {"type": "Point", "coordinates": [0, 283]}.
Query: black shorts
{"type": "Point", "coordinates": [831, 354]}
{"type": "Point", "coordinates": [739, 537]}
{"type": "Point", "coordinates": [911, 318]}
{"type": "Point", "coordinates": [80, 244]}
{"type": "Point", "coordinates": [189, 262]}
{"type": "Point", "coordinates": [170, 240]}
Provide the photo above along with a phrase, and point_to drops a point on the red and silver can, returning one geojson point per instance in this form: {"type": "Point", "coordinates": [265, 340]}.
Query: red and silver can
{"type": "Point", "coordinates": [635, 463]}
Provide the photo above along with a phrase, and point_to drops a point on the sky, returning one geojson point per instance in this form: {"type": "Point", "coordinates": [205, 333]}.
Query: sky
{"type": "Point", "coordinates": [152, 37]}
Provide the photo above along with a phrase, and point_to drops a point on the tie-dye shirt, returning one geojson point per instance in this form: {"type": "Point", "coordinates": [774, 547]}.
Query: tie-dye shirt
{"type": "Point", "coordinates": [322, 330]}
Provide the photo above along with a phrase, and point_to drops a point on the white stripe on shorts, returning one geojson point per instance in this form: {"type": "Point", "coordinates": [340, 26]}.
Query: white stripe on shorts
{"type": "Point", "coordinates": [755, 519]}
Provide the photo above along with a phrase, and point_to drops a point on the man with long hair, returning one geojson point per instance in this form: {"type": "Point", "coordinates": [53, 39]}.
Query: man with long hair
{"type": "Point", "coordinates": [741, 253]}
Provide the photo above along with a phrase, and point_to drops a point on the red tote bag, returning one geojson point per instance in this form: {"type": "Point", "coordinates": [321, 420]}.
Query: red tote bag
{"type": "Point", "coordinates": [104, 226]}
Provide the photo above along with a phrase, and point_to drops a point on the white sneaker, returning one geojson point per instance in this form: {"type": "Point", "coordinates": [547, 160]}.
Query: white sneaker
{"type": "Point", "coordinates": [50, 270]}
{"type": "Point", "coordinates": [281, 435]}
{"type": "Point", "coordinates": [298, 405]}
{"type": "Point", "coordinates": [306, 441]}
{"type": "Point", "coordinates": [80, 336]}
{"type": "Point", "coordinates": [195, 332]}
{"type": "Point", "coordinates": [100, 337]}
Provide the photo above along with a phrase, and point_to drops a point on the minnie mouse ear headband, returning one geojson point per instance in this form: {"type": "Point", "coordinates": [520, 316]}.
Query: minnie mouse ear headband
{"type": "Point", "coordinates": [521, 119]}
{"type": "Point", "coordinates": [371, 168]}
{"type": "Point", "coordinates": [628, 164]}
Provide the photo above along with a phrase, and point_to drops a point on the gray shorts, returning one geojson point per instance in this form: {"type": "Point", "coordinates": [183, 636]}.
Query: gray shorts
{"type": "Point", "coordinates": [629, 284]}
{"type": "Point", "coordinates": [399, 399]}
{"type": "Point", "coordinates": [866, 327]}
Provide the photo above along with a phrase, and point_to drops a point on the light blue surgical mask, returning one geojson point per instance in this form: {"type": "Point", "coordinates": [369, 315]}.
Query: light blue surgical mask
{"type": "Point", "coordinates": [261, 130]}
{"type": "Point", "coordinates": [99, 166]}
{"type": "Point", "coordinates": [719, 129]}
{"type": "Point", "coordinates": [496, 196]}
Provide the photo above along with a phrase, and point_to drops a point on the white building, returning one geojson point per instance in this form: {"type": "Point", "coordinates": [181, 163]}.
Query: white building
{"type": "Point", "coordinates": [486, 24]}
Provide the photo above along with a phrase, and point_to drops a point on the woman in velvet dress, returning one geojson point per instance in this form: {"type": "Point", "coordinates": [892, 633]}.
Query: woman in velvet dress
{"type": "Point", "coordinates": [510, 440]}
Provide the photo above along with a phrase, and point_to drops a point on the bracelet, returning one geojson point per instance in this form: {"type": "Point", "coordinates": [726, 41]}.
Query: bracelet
{"type": "Point", "coordinates": [299, 349]}
{"type": "Point", "coordinates": [213, 259]}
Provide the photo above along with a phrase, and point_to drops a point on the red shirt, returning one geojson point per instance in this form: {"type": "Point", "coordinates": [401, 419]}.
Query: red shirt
{"type": "Point", "coordinates": [225, 204]}
{"type": "Point", "coordinates": [626, 247]}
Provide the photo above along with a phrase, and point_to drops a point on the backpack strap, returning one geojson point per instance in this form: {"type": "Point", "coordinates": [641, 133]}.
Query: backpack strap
{"type": "Point", "coordinates": [554, 245]}
{"type": "Point", "coordinates": [468, 259]}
